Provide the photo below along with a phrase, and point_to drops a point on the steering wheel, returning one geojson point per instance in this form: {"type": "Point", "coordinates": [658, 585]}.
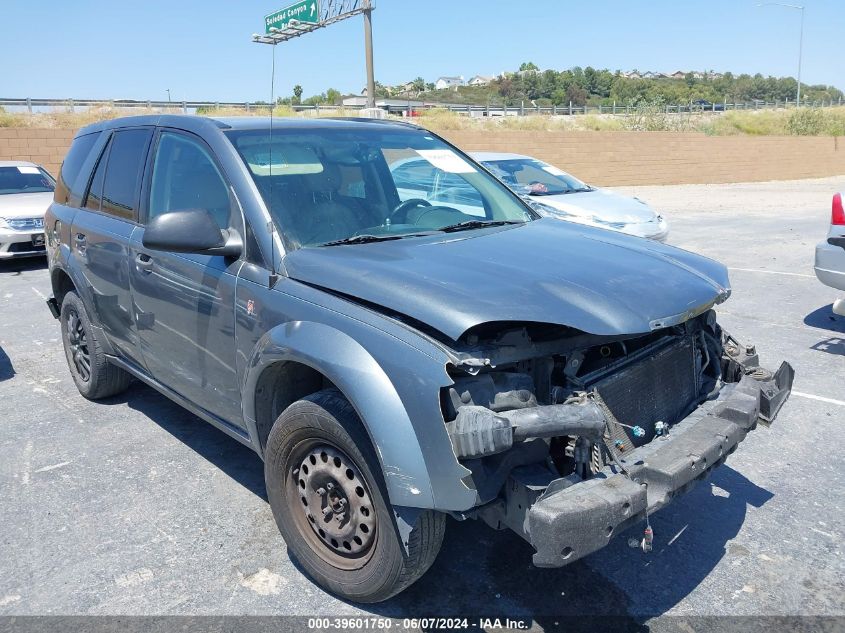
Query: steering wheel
{"type": "Point", "coordinates": [397, 216]}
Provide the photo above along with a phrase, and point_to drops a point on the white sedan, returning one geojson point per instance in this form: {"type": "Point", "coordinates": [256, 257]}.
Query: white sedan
{"type": "Point", "coordinates": [26, 191]}
{"type": "Point", "coordinates": [555, 193]}
{"type": "Point", "coordinates": [830, 254]}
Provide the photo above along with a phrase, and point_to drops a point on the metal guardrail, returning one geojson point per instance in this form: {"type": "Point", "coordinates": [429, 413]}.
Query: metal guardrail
{"type": "Point", "coordinates": [397, 106]}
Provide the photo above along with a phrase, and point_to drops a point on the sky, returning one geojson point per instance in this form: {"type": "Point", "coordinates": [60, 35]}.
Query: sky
{"type": "Point", "coordinates": [103, 49]}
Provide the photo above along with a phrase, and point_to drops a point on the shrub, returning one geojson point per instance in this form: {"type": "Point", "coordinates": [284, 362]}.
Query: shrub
{"type": "Point", "coordinates": [806, 122]}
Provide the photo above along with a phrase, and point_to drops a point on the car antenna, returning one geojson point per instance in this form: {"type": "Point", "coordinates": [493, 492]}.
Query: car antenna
{"type": "Point", "coordinates": [271, 226]}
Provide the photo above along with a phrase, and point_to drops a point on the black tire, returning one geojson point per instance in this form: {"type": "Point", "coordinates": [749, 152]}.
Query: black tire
{"type": "Point", "coordinates": [381, 568]}
{"type": "Point", "coordinates": [94, 376]}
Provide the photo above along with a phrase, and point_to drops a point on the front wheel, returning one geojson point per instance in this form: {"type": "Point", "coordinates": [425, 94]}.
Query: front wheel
{"type": "Point", "coordinates": [330, 503]}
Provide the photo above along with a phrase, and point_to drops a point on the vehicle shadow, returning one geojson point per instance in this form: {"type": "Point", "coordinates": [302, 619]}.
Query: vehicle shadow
{"type": "Point", "coordinates": [7, 370]}
{"type": "Point", "coordinates": [236, 460]}
{"type": "Point", "coordinates": [12, 267]}
{"type": "Point", "coordinates": [825, 319]}
{"type": "Point", "coordinates": [484, 573]}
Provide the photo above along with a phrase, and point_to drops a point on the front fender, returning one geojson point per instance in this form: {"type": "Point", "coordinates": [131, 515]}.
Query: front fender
{"type": "Point", "coordinates": [364, 382]}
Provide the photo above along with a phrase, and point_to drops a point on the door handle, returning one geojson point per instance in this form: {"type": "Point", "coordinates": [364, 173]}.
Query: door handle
{"type": "Point", "coordinates": [144, 263]}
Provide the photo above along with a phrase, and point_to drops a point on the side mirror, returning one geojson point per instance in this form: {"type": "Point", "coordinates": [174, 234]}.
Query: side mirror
{"type": "Point", "coordinates": [191, 231]}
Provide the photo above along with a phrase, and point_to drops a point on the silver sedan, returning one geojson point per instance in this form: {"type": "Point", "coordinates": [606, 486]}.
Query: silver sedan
{"type": "Point", "coordinates": [830, 254]}
{"type": "Point", "coordinates": [555, 193]}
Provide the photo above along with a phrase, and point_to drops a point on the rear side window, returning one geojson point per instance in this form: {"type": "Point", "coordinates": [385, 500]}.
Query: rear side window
{"type": "Point", "coordinates": [186, 177]}
{"type": "Point", "coordinates": [95, 191]}
{"type": "Point", "coordinates": [127, 155]}
{"type": "Point", "coordinates": [75, 158]}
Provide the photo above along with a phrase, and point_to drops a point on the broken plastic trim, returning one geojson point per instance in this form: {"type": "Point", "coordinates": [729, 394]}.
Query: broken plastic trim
{"type": "Point", "coordinates": [478, 431]}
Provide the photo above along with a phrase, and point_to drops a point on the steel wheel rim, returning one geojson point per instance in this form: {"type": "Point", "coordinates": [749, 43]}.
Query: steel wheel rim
{"type": "Point", "coordinates": [78, 346]}
{"type": "Point", "coordinates": [331, 504]}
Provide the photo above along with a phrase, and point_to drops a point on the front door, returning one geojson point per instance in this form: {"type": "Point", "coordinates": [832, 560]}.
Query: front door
{"type": "Point", "coordinates": [184, 303]}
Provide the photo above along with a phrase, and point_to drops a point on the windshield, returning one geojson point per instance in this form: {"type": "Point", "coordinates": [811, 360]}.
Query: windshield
{"type": "Point", "coordinates": [25, 179]}
{"type": "Point", "coordinates": [529, 176]}
{"type": "Point", "coordinates": [367, 183]}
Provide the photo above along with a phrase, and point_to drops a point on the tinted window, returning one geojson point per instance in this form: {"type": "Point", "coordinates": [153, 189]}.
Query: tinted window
{"type": "Point", "coordinates": [75, 158]}
{"type": "Point", "coordinates": [123, 173]}
{"type": "Point", "coordinates": [95, 191]}
{"type": "Point", "coordinates": [24, 179]}
{"type": "Point", "coordinates": [186, 177]}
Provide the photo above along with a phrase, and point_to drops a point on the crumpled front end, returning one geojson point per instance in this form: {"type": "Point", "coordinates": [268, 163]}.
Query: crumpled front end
{"type": "Point", "coordinates": [569, 521]}
{"type": "Point", "coordinates": [571, 440]}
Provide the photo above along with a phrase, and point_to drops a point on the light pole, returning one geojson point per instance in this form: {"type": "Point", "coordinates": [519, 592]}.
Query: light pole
{"type": "Point", "coordinates": [800, 39]}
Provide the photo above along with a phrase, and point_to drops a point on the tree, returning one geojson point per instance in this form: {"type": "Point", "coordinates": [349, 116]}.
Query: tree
{"type": "Point", "coordinates": [576, 94]}
{"type": "Point", "coordinates": [419, 84]}
{"type": "Point", "coordinates": [333, 96]}
{"type": "Point", "coordinates": [528, 66]}
{"type": "Point", "coordinates": [297, 95]}
{"type": "Point", "coordinates": [430, 86]}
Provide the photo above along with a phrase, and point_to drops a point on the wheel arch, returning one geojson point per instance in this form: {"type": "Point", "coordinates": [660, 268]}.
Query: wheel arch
{"type": "Point", "coordinates": [61, 283]}
{"type": "Point", "coordinates": [302, 355]}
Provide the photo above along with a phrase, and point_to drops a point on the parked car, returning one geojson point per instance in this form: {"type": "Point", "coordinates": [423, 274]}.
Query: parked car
{"type": "Point", "coordinates": [26, 190]}
{"type": "Point", "coordinates": [830, 254]}
{"type": "Point", "coordinates": [554, 193]}
{"type": "Point", "coordinates": [707, 106]}
{"type": "Point", "coordinates": [395, 360]}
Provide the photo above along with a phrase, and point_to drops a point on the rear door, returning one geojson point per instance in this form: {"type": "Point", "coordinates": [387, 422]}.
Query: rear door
{"type": "Point", "coordinates": [185, 302]}
{"type": "Point", "coordinates": [100, 233]}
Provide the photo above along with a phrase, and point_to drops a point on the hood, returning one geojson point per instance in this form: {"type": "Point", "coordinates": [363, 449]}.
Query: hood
{"type": "Point", "coordinates": [25, 205]}
{"type": "Point", "coordinates": [545, 271]}
{"type": "Point", "coordinates": [605, 205]}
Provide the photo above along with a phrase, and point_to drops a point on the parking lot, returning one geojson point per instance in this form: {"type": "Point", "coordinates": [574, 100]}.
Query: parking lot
{"type": "Point", "coordinates": [134, 506]}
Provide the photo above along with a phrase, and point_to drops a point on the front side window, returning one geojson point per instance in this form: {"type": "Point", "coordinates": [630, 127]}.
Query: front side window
{"type": "Point", "coordinates": [186, 177]}
{"type": "Point", "coordinates": [528, 176]}
{"type": "Point", "coordinates": [25, 179]}
{"type": "Point", "coordinates": [327, 185]}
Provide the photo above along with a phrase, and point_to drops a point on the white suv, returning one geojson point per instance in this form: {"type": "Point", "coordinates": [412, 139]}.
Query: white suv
{"type": "Point", "coordinates": [830, 254]}
{"type": "Point", "coordinates": [26, 190]}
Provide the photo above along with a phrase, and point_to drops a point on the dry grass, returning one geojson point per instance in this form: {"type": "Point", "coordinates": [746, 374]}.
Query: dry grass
{"type": "Point", "coordinates": [802, 122]}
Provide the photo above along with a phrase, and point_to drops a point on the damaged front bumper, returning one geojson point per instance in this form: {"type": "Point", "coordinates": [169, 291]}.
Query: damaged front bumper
{"type": "Point", "coordinates": [572, 518]}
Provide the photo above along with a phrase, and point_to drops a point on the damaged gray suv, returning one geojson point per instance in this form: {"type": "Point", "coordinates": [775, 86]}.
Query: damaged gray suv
{"type": "Point", "coordinates": [400, 341]}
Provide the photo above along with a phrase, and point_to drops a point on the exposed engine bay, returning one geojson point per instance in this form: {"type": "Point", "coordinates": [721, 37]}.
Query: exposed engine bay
{"type": "Point", "coordinates": [537, 409]}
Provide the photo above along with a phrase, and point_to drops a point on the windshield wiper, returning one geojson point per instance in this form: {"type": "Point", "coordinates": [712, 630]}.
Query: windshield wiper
{"type": "Point", "coordinates": [560, 192]}
{"type": "Point", "coordinates": [367, 238]}
{"type": "Point", "coordinates": [476, 224]}
{"type": "Point", "coordinates": [361, 239]}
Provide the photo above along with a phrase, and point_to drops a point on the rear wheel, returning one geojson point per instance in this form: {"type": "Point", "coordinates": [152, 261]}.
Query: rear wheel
{"type": "Point", "coordinates": [330, 503]}
{"type": "Point", "coordinates": [92, 373]}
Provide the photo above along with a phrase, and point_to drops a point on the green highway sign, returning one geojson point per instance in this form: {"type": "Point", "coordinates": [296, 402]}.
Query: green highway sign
{"type": "Point", "coordinates": [305, 11]}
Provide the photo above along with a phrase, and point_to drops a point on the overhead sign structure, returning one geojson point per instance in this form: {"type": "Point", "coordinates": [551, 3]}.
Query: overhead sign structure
{"type": "Point", "coordinates": [309, 15]}
{"type": "Point", "coordinates": [303, 12]}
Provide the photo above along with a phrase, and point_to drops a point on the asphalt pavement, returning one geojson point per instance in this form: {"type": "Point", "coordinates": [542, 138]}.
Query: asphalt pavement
{"type": "Point", "coordinates": [133, 506]}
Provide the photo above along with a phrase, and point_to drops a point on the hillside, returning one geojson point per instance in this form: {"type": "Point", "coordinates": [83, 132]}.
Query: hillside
{"type": "Point", "coordinates": [594, 87]}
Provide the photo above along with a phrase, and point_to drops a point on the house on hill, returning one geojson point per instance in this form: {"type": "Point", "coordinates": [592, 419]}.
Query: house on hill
{"type": "Point", "coordinates": [448, 82]}
{"type": "Point", "coordinates": [479, 80]}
